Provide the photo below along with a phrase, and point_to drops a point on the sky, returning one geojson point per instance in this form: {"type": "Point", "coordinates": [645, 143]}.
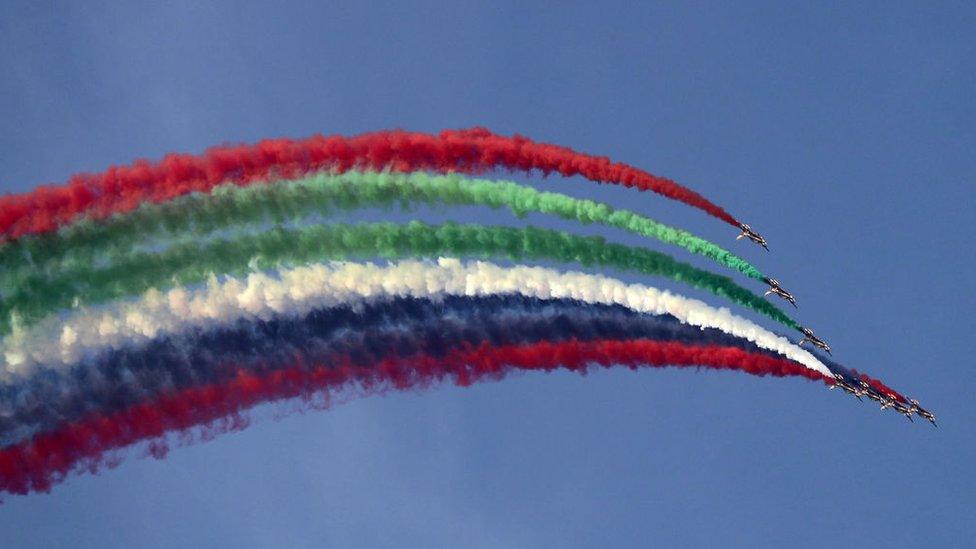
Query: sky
{"type": "Point", "coordinates": [844, 133]}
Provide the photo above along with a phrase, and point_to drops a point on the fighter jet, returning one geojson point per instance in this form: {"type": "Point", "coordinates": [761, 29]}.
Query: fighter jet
{"type": "Point", "coordinates": [923, 412]}
{"type": "Point", "coordinates": [908, 414]}
{"type": "Point", "coordinates": [775, 288]}
{"type": "Point", "coordinates": [904, 410]}
{"type": "Point", "coordinates": [855, 387]}
{"type": "Point", "coordinates": [841, 382]}
{"type": "Point", "coordinates": [752, 235]}
{"type": "Point", "coordinates": [886, 400]}
{"type": "Point", "coordinates": [866, 386]}
{"type": "Point", "coordinates": [837, 383]}
{"type": "Point", "coordinates": [872, 393]}
{"type": "Point", "coordinates": [808, 336]}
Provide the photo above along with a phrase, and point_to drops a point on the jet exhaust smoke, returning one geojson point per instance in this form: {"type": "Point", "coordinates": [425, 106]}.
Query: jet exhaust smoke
{"type": "Point", "coordinates": [363, 334]}
{"type": "Point", "coordinates": [152, 299]}
{"type": "Point", "coordinates": [39, 294]}
{"type": "Point", "coordinates": [45, 459]}
{"type": "Point", "coordinates": [59, 341]}
{"type": "Point", "coordinates": [124, 188]}
{"type": "Point", "coordinates": [230, 206]}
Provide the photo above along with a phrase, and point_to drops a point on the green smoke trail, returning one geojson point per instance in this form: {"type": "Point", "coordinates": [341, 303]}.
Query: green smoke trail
{"type": "Point", "coordinates": [190, 263]}
{"type": "Point", "coordinates": [230, 206]}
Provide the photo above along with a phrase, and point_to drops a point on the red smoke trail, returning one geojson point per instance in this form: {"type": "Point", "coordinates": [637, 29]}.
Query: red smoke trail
{"type": "Point", "coordinates": [38, 463]}
{"type": "Point", "coordinates": [123, 188]}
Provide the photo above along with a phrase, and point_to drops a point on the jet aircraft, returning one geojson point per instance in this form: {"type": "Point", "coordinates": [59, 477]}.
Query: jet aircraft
{"type": "Point", "coordinates": [808, 336]}
{"type": "Point", "coordinates": [775, 288]}
{"type": "Point", "coordinates": [923, 412]}
{"type": "Point", "coordinates": [752, 235]}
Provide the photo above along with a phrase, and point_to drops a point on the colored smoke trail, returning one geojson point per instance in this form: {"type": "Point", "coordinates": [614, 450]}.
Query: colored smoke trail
{"type": "Point", "coordinates": [41, 294]}
{"type": "Point", "coordinates": [363, 334]}
{"type": "Point", "coordinates": [123, 188]}
{"type": "Point", "coordinates": [36, 464]}
{"type": "Point", "coordinates": [62, 339]}
{"type": "Point", "coordinates": [133, 303]}
{"type": "Point", "coordinates": [232, 207]}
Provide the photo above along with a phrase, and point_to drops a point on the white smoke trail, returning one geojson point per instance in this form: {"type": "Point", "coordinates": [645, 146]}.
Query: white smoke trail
{"type": "Point", "coordinates": [60, 342]}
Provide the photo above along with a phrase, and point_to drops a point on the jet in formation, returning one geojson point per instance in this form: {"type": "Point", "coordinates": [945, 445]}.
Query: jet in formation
{"type": "Point", "coordinates": [861, 388]}
{"type": "Point", "coordinates": [775, 288]}
{"type": "Point", "coordinates": [809, 337]}
{"type": "Point", "coordinates": [857, 387]}
{"type": "Point", "coordinates": [922, 411]}
{"type": "Point", "coordinates": [752, 235]}
{"type": "Point", "coordinates": [841, 381]}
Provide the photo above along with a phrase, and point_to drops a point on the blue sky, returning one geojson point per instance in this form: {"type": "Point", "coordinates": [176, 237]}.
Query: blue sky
{"type": "Point", "coordinates": [844, 134]}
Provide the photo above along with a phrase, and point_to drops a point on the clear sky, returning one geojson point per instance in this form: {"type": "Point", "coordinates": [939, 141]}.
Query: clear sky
{"type": "Point", "coordinates": [844, 134]}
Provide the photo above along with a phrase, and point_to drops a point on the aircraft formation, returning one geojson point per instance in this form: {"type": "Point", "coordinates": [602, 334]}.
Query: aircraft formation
{"type": "Point", "coordinates": [859, 388]}
{"type": "Point", "coordinates": [227, 275]}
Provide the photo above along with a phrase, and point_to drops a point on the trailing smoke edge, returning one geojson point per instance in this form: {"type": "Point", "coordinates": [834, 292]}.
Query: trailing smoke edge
{"type": "Point", "coordinates": [79, 446]}
{"type": "Point", "coordinates": [476, 150]}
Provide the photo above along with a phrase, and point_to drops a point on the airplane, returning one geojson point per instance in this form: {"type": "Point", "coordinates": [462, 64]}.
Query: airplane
{"type": "Point", "coordinates": [923, 412]}
{"type": "Point", "coordinates": [908, 414]}
{"type": "Point", "coordinates": [886, 400]}
{"type": "Point", "coordinates": [904, 410]}
{"type": "Point", "coordinates": [752, 235]}
{"type": "Point", "coordinates": [866, 389]}
{"type": "Point", "coordinates": [814, 340]}
{"type": "Point", "coordinates": [872, 393]}
{"type": "Point", "coordinates": [775, 288]}
{"type": "Point", "coordinates": [841, 382]}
